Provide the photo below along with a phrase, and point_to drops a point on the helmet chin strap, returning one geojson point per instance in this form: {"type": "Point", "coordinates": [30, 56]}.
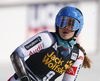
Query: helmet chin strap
{"type": "Point", "coordinates": [66, 43]}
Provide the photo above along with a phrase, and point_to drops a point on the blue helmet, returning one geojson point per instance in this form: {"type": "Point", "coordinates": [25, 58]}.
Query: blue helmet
{"type": "Point", "coordinates": [73, 13]}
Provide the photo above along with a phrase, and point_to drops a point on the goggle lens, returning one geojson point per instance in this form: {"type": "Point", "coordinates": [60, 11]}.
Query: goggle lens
{"type": "Point", "coordinates": [71, 23]}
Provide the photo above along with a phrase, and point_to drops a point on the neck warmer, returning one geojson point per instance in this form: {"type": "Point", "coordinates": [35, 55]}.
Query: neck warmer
{"type": "Point", "coordinates": [66, 44]}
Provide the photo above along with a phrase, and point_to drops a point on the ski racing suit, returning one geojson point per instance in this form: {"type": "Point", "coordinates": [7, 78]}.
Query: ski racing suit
{"type": "Point", "coordinates": [47, 60]}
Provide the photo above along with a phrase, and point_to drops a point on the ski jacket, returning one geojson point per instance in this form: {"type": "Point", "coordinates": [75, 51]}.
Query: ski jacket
{"type": "Point", "coordinates": [47, 60]}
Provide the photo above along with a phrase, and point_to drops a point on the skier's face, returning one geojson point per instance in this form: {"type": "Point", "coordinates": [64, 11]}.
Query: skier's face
{"type": "Point", "coordinates": [65, 33]}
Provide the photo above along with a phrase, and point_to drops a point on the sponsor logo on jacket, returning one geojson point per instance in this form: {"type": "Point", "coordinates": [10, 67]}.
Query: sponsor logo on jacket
{"type": "Point", "coordinates": [36, 50]}
{"type": "Point", "coordinates": [33, 43]}
{"type": "Point", "coordinates": [55, 63]}
{"type": "Point", "coordinates": [80, 58]}
{"type": "Point", "coordinates": [72, 70]}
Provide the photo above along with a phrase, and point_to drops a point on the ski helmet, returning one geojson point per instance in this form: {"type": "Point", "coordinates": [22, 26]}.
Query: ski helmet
{"type": "Point", "coordinates": [72, 13]}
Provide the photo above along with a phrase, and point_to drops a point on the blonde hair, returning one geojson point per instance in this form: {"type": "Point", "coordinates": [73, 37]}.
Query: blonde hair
{"type": "Point", "coordinates": [87, 61]}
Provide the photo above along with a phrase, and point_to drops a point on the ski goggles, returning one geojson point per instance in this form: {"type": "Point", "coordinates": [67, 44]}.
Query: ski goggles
{"type": "Point", "coordinates": [71, 23]}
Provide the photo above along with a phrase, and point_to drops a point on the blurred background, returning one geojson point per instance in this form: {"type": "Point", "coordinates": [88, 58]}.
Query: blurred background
{"type": "Point", "coordinates": [21, 19]}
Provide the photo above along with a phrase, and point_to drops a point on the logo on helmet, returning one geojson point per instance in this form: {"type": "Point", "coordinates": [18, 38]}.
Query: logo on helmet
{"type": "Point", "coordinates": [70, 11]}
{"type": "Point", "coordinates": [69, 14]}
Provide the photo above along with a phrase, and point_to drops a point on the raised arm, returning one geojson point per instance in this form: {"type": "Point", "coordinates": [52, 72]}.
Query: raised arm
{"type": "Point", "coordinates": [38, 42]}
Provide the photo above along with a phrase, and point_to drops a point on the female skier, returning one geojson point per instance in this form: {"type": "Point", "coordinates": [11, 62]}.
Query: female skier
{"type": "Point", "coordinates": [52, 53]}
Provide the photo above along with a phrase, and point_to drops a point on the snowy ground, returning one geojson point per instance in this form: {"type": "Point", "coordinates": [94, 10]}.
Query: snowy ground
{"type": "Point", "coordinates": [92, 74]}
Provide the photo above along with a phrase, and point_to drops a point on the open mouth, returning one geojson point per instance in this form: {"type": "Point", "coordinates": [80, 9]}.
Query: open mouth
{"type": "Point", "coordinates": [65, 32]}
